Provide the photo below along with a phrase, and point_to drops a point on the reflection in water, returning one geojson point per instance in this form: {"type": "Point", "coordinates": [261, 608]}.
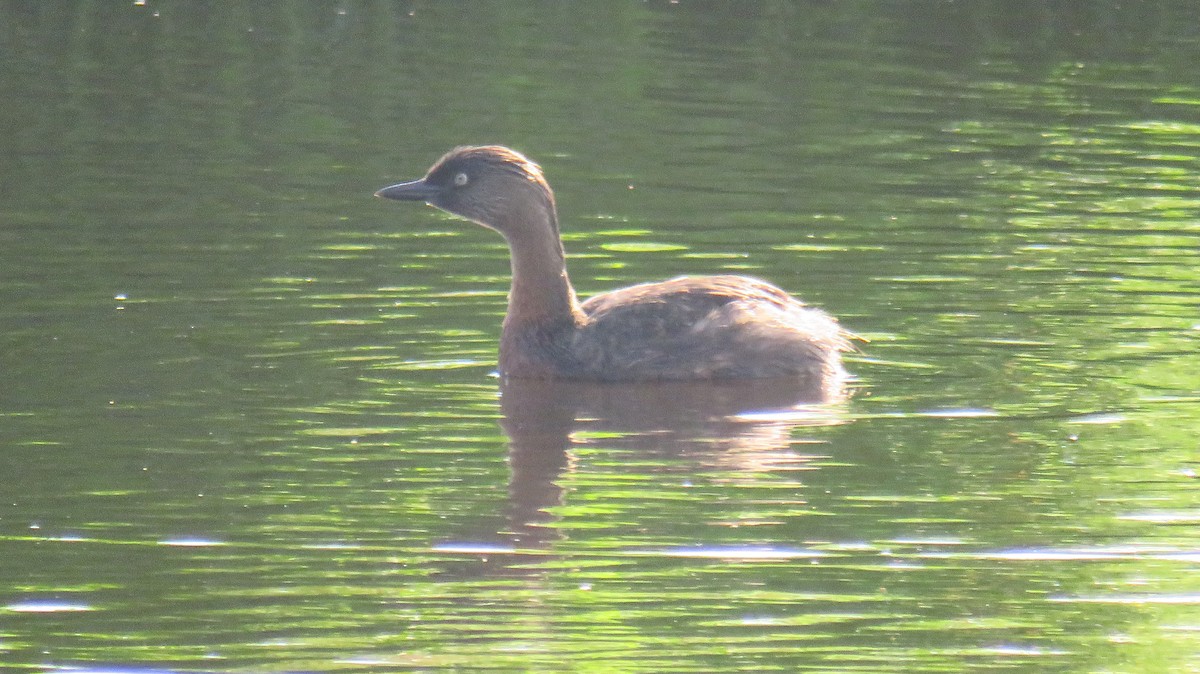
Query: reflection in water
{"type": "Point", "coordinates": [742, 426]}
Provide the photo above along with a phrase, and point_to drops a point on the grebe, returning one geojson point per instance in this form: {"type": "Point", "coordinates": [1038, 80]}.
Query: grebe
{"type": "Point", "coordinates": [687, 328]}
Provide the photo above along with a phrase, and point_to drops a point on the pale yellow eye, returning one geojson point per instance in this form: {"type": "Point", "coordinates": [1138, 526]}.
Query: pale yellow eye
{"type": "Point", "coordinates": [461, 179]}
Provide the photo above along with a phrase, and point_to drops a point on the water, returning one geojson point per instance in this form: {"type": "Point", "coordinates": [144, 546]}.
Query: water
{"type": "Point", "coordinates": [247, 414]}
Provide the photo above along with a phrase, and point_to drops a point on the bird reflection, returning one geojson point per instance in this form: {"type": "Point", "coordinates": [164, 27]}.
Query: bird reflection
{"type": "Point", "coordinates": [744, 427]}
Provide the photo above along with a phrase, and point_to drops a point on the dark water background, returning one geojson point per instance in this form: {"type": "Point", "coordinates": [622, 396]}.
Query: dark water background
{"type": "Point", "coordinates": [247, 414]}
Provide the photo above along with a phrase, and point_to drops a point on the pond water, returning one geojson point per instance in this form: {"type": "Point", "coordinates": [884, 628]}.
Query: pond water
{"type": "Point", "coordinates": [248, 414]}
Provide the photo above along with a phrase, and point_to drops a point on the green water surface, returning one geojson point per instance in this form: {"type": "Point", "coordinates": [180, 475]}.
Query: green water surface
{"type": "Point", "coordinates": [248, 415]}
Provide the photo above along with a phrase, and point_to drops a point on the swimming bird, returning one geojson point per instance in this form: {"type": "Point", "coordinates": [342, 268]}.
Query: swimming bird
{"type": "Point", "coordinates": [688, 328]}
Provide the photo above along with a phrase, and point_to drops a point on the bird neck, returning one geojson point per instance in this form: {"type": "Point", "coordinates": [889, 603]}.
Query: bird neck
{"type": "Point", "coordinates": [541, 292]}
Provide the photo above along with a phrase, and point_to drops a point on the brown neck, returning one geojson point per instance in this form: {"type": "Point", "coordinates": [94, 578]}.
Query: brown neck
{"type": "Point", "coordinates": [541, 292]}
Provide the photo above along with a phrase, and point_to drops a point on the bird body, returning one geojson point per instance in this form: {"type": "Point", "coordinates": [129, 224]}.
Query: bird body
{"type": "Point", "coordinates": [688, 328]}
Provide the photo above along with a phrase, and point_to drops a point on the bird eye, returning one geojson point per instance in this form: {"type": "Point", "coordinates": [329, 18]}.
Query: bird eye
{"type": "Point", "coordinates": [461, 179]}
